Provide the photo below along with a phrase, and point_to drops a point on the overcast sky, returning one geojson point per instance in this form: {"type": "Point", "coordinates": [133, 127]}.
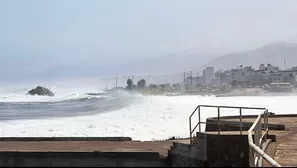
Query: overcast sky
{"type": "Point", "coordinates": [36, 35]}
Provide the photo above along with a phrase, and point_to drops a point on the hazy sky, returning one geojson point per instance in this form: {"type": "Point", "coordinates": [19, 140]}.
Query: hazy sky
{"type": "Point", "coordinates": [36, 35]}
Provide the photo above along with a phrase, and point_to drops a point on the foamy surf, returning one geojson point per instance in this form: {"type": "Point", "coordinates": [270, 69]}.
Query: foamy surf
{"type": "Point", "coordinates": [146, 118]}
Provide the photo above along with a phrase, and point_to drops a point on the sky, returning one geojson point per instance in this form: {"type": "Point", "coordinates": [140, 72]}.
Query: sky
{"type": "Point", "coordinates": [40, 36]}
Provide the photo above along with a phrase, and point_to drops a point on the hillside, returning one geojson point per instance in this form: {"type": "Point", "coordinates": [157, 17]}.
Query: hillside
{"type": "Point", "coordinates": [273, 53]}
{"type": "Point", "coordinates": [174, 63]}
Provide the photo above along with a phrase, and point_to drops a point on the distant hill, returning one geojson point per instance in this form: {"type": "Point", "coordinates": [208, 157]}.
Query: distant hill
{"type": "Point", "coordinates": [174, 63]}
{"type": "Point", "coordinates": [273, 53]}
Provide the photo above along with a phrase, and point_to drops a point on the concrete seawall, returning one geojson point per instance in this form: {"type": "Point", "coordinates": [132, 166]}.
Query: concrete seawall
{"type": "Point", "coordinates": [81, 152]}
{"type": "Point", "coordinates": [80, 159]}
{"type": "Point", "coordinates": [117, 139]}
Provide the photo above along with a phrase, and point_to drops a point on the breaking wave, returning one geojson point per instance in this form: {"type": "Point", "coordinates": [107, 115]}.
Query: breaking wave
{"type": "Point", "coordinates": [20, 106]}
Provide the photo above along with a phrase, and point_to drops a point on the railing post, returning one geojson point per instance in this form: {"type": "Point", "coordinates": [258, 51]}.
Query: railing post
{"type": "Point", "coordinates": [258, 132]}
{"type": "Point", "coordinates": [260, 142]}
{"type": "Point", "coordinates": [219, 124]}
{"type": "Point", "coordinates": [199, 119]}
{"type": "Point", "coordinates": [267, 125]}
{"type": "Point", "coordinates": [240, 114]}
{"type": "Point", "coordinates": [251, 157]}
{"type": "Point", "coordinates": [256, 140]}
{"type": "Point", "coordinates": [190, 126]}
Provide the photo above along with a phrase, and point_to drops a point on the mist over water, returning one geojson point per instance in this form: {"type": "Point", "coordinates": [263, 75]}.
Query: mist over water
{"type": "Point", "coordinates": [68, 101]}
{"type": "Point", "coordinates": [71, 112]}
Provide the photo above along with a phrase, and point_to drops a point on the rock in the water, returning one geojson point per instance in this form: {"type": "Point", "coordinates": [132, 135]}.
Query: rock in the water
{"type": "Point", "coordinates": [41, 91]}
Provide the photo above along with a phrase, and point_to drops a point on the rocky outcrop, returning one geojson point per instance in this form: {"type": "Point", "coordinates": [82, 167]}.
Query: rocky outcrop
{"type": "Point", "coordinates": [40, 91]}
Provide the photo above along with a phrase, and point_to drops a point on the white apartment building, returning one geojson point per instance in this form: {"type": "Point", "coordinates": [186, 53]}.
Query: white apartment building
{"type": "Point", "coordinates": [208, 75]}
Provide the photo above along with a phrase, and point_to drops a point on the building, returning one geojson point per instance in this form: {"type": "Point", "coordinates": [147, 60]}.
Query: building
{"type": "Point", "coordinates": [194, 81]}
{"type": "Point", "coordinates": [259, 78]}
{"type": "Point", "coordinates": [263, 75]}
{"type": "Point", "coordinates": [246, 76]}
{"type": "Point", "coordinates": [222, 78]}
{"type": "Point", "coordinates": [272, 74]}
{"type": "Point", "coordinates": [268, 68]}
{"type": "Point", "coordinates": [294, 68]}
{"type": "Point", "coordinates": [225, 78]}
{"type": "Point", "coordinates": [241, 76]}
{"type": "Point", "coordinates": [199, 80]}
{"type": "Point", "coordinates": [284, 76]}
{"type": "Point", "coordinates": [262, 67]}
{"type": "Point", "coordinates": [271, 68]}
{"type": "Point", "coordinates": [208, 75]}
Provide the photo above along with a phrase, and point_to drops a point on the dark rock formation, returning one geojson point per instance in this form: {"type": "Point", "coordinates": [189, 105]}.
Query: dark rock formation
{"type": "Point", "coordinates": [40, 91]}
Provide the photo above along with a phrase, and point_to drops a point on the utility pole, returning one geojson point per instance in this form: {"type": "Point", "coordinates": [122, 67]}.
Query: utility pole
{"type": "Point", "coordinates": [191, 78]}
{"type": "Point", "coordinates": [116, 82]}
{"type": "Point", "coordinates": [184, 78]}
{"type": "Point", "coordinates": [221, 80]}
{"type": "Point", "coordinates": [285, 64]}
{"type": "Point", "coordinates": [187, 81]}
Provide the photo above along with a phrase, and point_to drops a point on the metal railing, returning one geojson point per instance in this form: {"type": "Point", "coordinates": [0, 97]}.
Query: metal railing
{"type": "Point", "coordinates": [256, 152]}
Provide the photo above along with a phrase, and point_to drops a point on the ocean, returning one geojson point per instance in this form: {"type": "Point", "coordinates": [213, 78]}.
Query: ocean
{"type": "Point", "coordinates": [71, 112]}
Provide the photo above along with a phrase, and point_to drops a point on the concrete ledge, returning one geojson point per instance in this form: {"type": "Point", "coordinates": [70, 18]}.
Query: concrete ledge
{"type": "Point", "coordinates": [227, 125]}
{"type": "Point", "coordinates": [79, 159]}
{"type": "Point", "coordinates": [149, 156]}
{"type": "Point", "coordinates": [211, 125]}
{"type": "Point", "coordinates": [254, 116]}
{"type": "Point", "coordinates": [65, 139]}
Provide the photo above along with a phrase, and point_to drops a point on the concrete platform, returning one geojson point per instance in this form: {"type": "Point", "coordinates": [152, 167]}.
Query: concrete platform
{"type": "Point", "coordinates": [284, 151]}
{"type": "Point", "coordinates": [161, 147]}
{"type": "Point", "coordinates": [80, 153]}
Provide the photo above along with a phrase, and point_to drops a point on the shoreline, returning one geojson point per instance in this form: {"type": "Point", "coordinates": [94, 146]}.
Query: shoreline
{"type": "Point", "coordinates": [233, 93]}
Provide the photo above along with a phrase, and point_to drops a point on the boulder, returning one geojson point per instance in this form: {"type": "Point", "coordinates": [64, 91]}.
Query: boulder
{"type": "Point", "coordinates": [40, 91]}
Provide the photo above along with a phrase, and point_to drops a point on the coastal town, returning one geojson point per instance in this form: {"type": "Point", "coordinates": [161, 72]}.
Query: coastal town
{"type": "Point", "coordinates": [239, 80]}
{"type": "Point", "coordinates": [265, 77]}
{"type": "Point", "coordinates": [244, 76]}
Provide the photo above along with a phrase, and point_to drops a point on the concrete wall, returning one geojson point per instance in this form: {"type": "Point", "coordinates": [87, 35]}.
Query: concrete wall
{"type": "Point", "coordinates": [227, 151]}
{"type": "Point", "coordinates": [79, 159]}
{"type": "Point", "coordinates": [65, 139]}
{"type": "Point", "coordinates": [185, 155]}
{"type": "Point", "coordinates": [212, 150]}
{"type": "Point", "coordinates": [234, 125]}
{"type": "Point", "coordinates": [184, 161]}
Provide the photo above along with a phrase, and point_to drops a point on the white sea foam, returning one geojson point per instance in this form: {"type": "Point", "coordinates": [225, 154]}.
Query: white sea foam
{"type": "Point", "coordinates": [151, 117]}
